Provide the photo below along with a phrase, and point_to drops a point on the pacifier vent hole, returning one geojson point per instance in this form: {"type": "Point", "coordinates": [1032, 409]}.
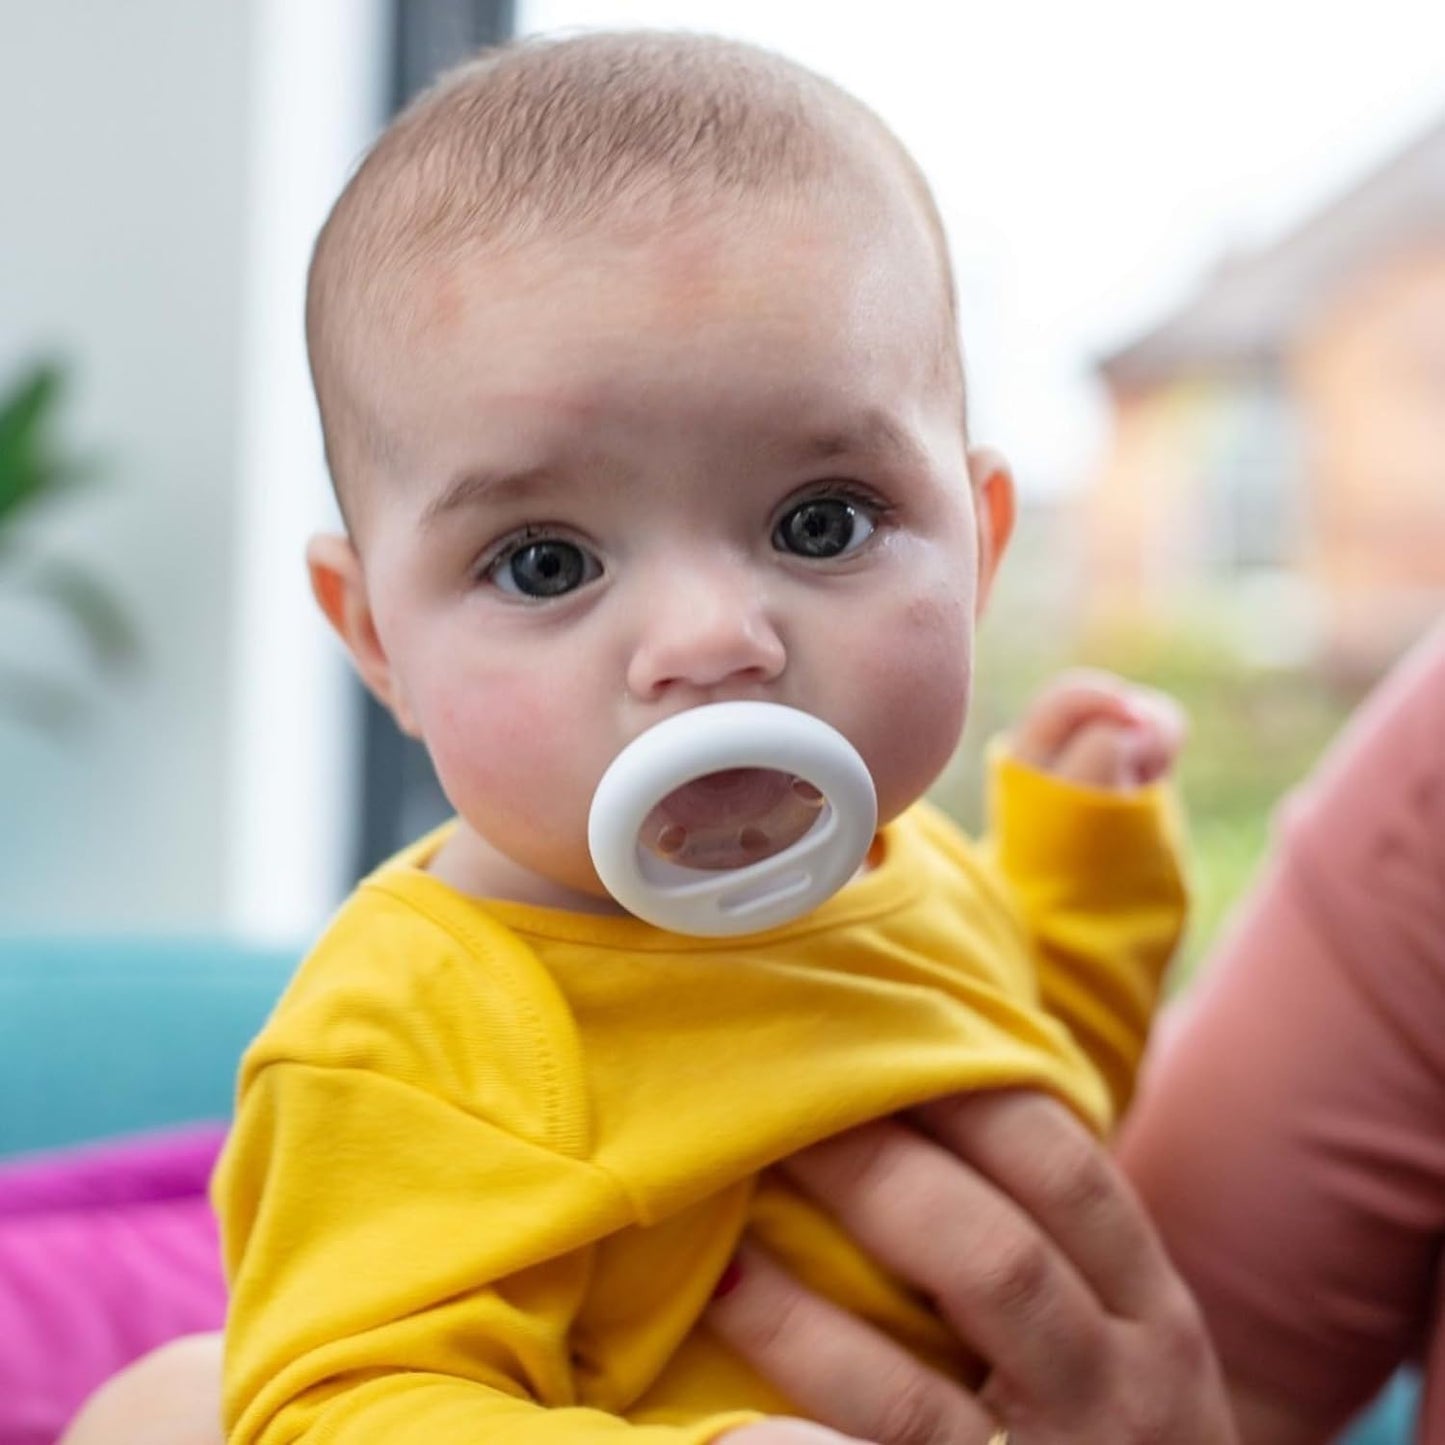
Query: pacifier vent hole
{"type": "Point", "coordinates": [731, 818]}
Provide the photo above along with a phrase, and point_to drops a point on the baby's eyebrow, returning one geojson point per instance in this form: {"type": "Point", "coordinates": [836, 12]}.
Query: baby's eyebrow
{"type": "Point", "coordinates": [476, 486]}
{"type": "Point", "coordinates": [871, 433]}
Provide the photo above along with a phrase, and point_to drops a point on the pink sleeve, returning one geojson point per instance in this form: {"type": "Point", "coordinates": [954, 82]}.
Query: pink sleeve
{"type": "Point", "coordinates": [1290, 1139]}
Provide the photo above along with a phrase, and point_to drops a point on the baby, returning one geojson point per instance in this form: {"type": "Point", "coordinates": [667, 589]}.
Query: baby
{"type": "Point", "coordinates": [637, 363]}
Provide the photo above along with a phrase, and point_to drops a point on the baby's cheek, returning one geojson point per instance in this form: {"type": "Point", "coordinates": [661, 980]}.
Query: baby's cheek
{"type": "Point", "coordinates": [922, 677]}
{"type": "Point", "coordinates": [929, 658]}
{"type": "Point", "coordinates": [492, 748]}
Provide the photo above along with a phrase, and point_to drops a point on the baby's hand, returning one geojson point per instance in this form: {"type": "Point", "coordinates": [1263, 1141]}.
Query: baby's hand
{"type": "Point", "coordinates": [1096, 729]}
{"type": "Point", "coordinates": [785, 1432]}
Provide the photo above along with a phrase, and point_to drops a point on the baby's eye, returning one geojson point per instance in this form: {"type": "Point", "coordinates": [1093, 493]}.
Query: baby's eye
{"type": "Point", "coordinates": [543, 567]}
{"type": "Point", "coordinates": [823, 527]}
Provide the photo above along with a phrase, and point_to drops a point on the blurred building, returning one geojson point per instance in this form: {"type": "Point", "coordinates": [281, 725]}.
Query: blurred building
{"type": "Point", "coordinates": [1279, 443]}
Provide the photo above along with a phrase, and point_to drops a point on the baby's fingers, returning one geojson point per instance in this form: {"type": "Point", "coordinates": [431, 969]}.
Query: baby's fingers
{"type": "Point", "coordinates": [1093, 728]}
{"type": "Point", "coordinates": [1069, 702]}
{"type": "Point", "coordinates": [1104, 755]}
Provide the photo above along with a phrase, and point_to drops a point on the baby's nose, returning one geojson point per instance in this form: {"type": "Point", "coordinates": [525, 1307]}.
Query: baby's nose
{"type": "Point", "coordinates": [703, 631]}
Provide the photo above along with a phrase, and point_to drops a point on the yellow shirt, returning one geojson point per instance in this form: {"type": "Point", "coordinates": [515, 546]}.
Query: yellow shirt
{"type": "Point", "coordinates": [490, 1160]}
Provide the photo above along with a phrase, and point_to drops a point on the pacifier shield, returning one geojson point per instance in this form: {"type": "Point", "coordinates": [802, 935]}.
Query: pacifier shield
{"type": "Point", "coordinates": [731, 818]}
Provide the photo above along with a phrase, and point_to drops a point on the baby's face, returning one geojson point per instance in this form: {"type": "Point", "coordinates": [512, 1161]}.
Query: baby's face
{"type": "Point", "coordinates": [638, 473]}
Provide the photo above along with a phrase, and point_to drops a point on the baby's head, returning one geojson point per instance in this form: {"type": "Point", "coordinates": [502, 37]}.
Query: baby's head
{"type": "Point", "coordinates": [638, 371]}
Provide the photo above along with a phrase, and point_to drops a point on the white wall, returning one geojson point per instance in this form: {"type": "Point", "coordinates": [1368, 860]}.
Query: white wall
{"type": "Point", "coordinates": [294, 762]}
{"type": "Point", "coordinates": [136, 244]}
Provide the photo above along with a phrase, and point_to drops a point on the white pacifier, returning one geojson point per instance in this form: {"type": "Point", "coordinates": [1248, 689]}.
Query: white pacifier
{"type": "Point", "coordinates": [731, 818]}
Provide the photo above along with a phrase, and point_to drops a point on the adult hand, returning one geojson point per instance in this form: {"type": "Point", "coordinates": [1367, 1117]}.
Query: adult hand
{"type": "Point", "coordinates": [1012, 1219]}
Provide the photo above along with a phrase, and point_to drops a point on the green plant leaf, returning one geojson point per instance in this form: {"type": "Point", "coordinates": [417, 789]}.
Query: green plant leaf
{"type": "Point", "coordinates": [92, 608]}
{"type": "Point", "coordinates": [31, 469]}
{"type": "Point", "coordinates": [34, 468]}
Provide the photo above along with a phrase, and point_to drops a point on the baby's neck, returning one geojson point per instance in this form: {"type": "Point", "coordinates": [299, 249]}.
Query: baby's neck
{"type": "Point", "coordinates": [471, 865]}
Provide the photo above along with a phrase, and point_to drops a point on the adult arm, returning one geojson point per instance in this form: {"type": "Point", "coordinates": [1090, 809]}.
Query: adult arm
{"type": "Point", "coordinates": [1290, 1141]}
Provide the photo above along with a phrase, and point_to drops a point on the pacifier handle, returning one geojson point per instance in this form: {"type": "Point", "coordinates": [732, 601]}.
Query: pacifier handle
{"type": "Point", "coordinates": [761, 894]}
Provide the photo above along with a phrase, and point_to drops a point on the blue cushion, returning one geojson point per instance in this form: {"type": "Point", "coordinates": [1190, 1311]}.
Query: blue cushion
{"type": "Point", "coordinates": [1391, 1420]}
{"type": "Point", "coordinates": [104, 1036]}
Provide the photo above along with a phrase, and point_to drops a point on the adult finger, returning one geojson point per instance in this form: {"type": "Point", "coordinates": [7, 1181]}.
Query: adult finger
{"type": "Point", "coordinates": [835, 1367]}
{"type": "Point", "coordinates": [1001, 1284]}
{"type": "Point", "coordinates": [1032, 1148]}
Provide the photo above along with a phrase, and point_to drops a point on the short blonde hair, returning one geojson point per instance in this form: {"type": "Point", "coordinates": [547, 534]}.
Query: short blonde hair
{"type": "Point", "coordinates": [544, 138]}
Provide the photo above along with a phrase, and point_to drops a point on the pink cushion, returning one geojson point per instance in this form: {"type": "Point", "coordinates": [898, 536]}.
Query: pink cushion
{"type": "Point", "coordinates": [106, 1251]}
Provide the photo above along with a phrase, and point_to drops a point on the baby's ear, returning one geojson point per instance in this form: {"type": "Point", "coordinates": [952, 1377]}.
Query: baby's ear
{"type": "Point", "coordinates": [339, 586]}
{"type": "Point", "coordinates": [994, 504]}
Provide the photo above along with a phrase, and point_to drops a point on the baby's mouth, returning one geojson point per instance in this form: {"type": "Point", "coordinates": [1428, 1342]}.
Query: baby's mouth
{"type": "Point", "coordinates": [731, 818]}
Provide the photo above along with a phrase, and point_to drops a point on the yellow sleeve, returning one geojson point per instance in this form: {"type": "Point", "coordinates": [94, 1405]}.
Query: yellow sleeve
{"type": "Point", "coordinates": [407, 1200]}
{"type": "Point", "coordinates": [405, 1271]}
{"type": "Point", "coordinates": [1098, 880]}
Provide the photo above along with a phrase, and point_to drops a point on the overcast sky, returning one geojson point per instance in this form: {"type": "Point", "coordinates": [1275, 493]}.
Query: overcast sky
{"type": "Point", "coordinates": [1094, 160]}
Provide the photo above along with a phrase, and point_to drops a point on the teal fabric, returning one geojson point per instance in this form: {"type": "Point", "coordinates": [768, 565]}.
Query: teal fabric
{"type": "Point", "coordinates": [107, 1036]}
{"type": "Point", "coordinates": [1392, 1418]}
